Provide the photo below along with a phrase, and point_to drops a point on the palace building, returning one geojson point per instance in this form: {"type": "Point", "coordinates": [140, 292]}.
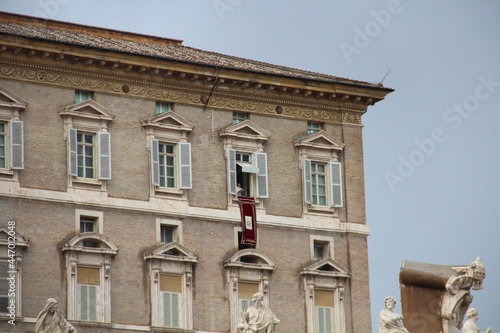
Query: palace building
{"type": "Point", "coordinates": [150, 186]}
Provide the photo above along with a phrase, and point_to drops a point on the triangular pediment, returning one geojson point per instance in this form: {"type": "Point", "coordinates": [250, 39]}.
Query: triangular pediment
{"type": "Point", "coordinates": [325, 267]}
{"type": "Point", "coordinates": [246, 129]}
{"type": "Point", "coordinates": [171, 251]}
{"type": "Point", "coordinates": [88, 109]}
{"type": "Point", "coordinates": [168, 120]}
{"type": "Point", "coordinates": [319, 140]}
{"type": "Point", "coordinates": [5, 233]}
{"type": "Point", "coordinates": [11, 100]}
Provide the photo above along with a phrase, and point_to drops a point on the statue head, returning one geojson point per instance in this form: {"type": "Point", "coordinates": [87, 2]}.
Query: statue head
{"type": "Point", "coordinates": [389, 302]}
{"type": "Point", "coordinates": [257, 298]}
{"type": "Point", "coordinates": [472, 312]}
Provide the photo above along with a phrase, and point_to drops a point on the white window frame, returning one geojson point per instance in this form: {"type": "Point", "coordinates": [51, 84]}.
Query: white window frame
{"type": "Point", "coordinates": [240, 271]}
{"type": "Point", "coordinates": [97, 215]}
{"type": "Point", "coordinates": [82, 95]}
{"type": "Point", "coordinates": [14, 133]}
{"type": "Point", "coordinates": [175, 224]}
{"type": "Point", "coordinates": [171, 129]}
{"type": "Point", "coordinates": [334, 280]}
{"type": "Point", "coordinates": [77, 255]}
{"type": "Point", "coordinates": [327, 241]}
{"type": "Point", "coordinates": [321, 148]}
{"type": "Point", "coordinates": [237, 138]}
{"type": "Point", "coordinates": [317, 320]}
{"type": "Point", "coordinates": [161, 262]}
{"type": "Point", "coordinates": [182, 166]}
{"type": "Point", "coordinates": [162, 107]}
{"type": "Point", "coordinates": [77, 119]}
{"type": "Point", "coordinates": [257, 170]}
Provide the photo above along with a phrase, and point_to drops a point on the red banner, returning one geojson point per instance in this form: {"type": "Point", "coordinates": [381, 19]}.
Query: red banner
{"type": "Point", "coordinates": [248, 220]}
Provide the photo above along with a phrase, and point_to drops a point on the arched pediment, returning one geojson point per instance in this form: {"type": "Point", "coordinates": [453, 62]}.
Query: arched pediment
{"type": "Point", "coordinates": [246, 130]}
{"type": "Point", "coordinates": [88, 109]}
{"type": "Point", "coordinates": [5, 233]}
{"type": "Point", "coordinates": [319, 140]}
{"type": "Point", "coordinates": [325, 267]}
{"type": "Point", "coordinates": [171, 251]}
{"type": "Point", "coordinates": [168, 120]}
{"type": "Point", "coordinates": [249, 258]}
{"type": "Point", "coordinates": [75, 243]}
{"type": "Point", "coordinates": [10, 100]}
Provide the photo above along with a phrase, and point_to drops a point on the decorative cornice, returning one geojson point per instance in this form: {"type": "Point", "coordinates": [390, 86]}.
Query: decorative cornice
{"type": "Point", "coordinates": [189, 91]}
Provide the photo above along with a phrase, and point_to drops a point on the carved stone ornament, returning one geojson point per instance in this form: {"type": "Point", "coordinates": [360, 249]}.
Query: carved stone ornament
{"type": "Point", "coordinates": [457, 297]}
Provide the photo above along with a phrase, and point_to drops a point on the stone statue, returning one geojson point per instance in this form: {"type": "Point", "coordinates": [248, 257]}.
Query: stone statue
{"type": "Point", "coordinates": [470, 325]}
{"type": "Point", "coordinates": [258, 318]}
{"type": "Point", "coordinates": [50, 320]}
{"type": "Point", "coordinates": [390, 321]}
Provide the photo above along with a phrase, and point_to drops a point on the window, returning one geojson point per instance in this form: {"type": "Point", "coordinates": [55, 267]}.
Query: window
{"type": "Point", "coordinates": [171, 171]}
{"type": "Point", "coordinates": [170, 269]}
{"type": "Point", "coordinates": [166, 234]}
{"type": "Point", "coordinates": [88, 282]}
{"type": "Point", "coordinates": [171, 164]}
{"type": "Point", "coordinates": [321, 247]}
{"type": "Point", "coordinates": [168, 230]}
{"type": "Point", "coordinates": [238, 117]}
{"type": "Point", "coordinates": [319, 250]}
{"type": "Point", "coordinates": [87, 224]}
{"type": "Point", "coordinates": [324, 284]}
{"type": "Point", "coordinates": [246, 161]}
{"type": "Point", "coordinates": [89, 143]}
{"type": "Point", "coordinates": [82, 95]}
{"type": "Point", "coordinates": [248, 272]}
{"type": "Point", "coordinates": [248, 174]}
{"type": "Point", "coordinates": [318, 183]}
{"type": "Point", "coordinates": [11, 134]}
{"type": "Point", "coordinates": [162, 107]}
{"type": "Point", "coordinates": [88, 275]}
{"type": "Point", "coordinates": [89, 158]}
{"type": "Point", "coordinates": [313, 127]}
{"type": "Point", "coordinates": [322, 172]}
{"type": "Point", "coordinates": [4, 286]}
{"type": "Point", "coordinates": [245, 294]}
{"type": "Point", "coordinates": [323, 304]}
{"type": "Point", "coordinates": [171, 290]}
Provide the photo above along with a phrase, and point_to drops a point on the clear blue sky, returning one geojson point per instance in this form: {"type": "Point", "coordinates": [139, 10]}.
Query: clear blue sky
{"type": "Point", "coordinates": [431, 148]}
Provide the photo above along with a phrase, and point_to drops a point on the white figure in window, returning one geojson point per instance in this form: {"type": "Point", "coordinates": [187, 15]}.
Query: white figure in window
{"type": "Point", "coordinates": [258, 318]}
{"type": "Point", "coordinates": [470, 325]}
{"type": "Point", "coordinates": [390, 321]}
{"type": "Point", "coordinates": [50, 320]}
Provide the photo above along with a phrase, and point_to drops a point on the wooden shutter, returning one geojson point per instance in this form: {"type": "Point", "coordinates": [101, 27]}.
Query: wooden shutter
{"type": "Point", "coordinates": [17, 144]}
{"type": "Point", "coordinates": [88, 302]}
{"type": "Point", "coordinates": [185, 170]}
{"type": "Point", "coordinates": [171, 309]}
{"type": "Point", "coordinates": [72, 155]}
{"type": "Point", "coordinates": [155, 162]}
{"type": "Point", "coordinates": [231, 171]}
{"type": "Point", "coordinates": [307, 181]}
{"type": "Point", "coordinates": [336, 183]}
{"type": "Point", "coordinates": [324, 320]}
{"type": "Point", "coordinates": [104, 155]}
{"type": "Point", "coordinates": [262, 183]}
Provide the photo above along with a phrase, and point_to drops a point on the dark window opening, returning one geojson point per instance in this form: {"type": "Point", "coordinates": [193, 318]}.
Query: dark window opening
{"type": "Point", "coordinates": [243, 246]}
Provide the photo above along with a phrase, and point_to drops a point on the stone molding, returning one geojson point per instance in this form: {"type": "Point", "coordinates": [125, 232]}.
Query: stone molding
{"type": "Point", "coordinates": [177, 91]}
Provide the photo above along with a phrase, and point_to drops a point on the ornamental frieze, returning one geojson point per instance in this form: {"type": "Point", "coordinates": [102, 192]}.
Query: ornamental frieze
{"type": "Point", "coordinates": [177, 93]}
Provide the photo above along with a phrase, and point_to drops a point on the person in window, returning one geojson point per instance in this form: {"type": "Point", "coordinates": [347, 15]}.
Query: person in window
{"type": "Point", "coordinates": [258, 318]}
{"type": "Point", "coordinates": [240, 191]}
{"type": "Point", "coordinates": [390, 321]}
{"type": "Point", "coordinates": [470, 325]}
{"type": "Point", "coordinates": [50, 320]}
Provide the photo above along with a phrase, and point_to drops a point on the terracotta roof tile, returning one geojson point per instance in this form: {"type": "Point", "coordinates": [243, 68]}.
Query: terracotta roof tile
{"type": "Point", "coordinates": [169, 52]}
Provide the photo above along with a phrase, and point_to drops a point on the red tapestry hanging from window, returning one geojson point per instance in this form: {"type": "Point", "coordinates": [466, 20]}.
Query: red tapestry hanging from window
{"type": "Point", "coordinates": [248, 220]}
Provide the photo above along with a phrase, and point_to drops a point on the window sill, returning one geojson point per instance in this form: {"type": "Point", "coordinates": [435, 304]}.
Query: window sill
{"type": "Point", "coordinates": [320, 209]}
{"type": "Point", "coordinates": [168, 190]}
{"type": "Point", "coordinates": [87, 181]}
{"type": "Point", "coordinates": [91, 323]}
